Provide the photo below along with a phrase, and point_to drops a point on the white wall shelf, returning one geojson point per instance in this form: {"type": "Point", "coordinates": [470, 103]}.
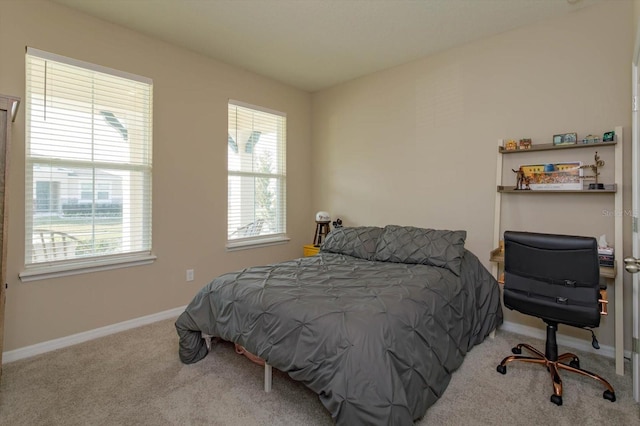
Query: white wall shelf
{"type": "Point", "coordinates": [608, 189]}
{"type": "Point", "coordinates": [615, 279]}
{"type": "Point", "coordinates": [551, 147]}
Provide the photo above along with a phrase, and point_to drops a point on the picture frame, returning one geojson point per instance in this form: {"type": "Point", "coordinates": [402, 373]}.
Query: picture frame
{"type": "Point", "coordinates": [554, 176]}
{"type": "Point", "coordinates": [565, 139]}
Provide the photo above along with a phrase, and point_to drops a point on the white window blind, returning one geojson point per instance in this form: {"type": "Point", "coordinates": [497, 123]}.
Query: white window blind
{"type": "Point", "coordinates": [256, 174]}
{"type": "Point", "coordinates": [88, 162]}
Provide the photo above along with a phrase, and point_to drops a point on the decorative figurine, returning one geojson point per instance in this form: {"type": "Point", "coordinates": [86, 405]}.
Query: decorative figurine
{"type": "Point", "coordinates": [510, 145]}
{"type": "Point", "coordinates": [522, 181]}
{"type": "Point", "coordinates": [609, 137]}
{"type": "Point", "coordinates": [590, 139]}
{"type": "Point", "coordinates": [598, 163]}
{"type": "Point", "coordinates": [525, 143]}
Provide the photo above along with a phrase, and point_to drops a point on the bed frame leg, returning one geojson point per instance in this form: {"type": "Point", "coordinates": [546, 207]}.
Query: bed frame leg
{"type": "Point", "coordinates": [267, 377]}
{"type": "Point", "coordinates": [207, 340]}
{"type": "Point", "coordinates": [492, 335]}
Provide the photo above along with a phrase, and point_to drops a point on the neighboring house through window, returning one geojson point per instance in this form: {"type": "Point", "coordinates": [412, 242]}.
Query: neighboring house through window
{"type": "Point", "coordinates": [88, 165]}
{"type": "Point", "coordinates": [256, 162]}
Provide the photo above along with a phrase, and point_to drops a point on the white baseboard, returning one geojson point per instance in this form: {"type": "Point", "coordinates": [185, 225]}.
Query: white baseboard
{"type": "Point", "coordinates": [52, 345]}
{"type": "Point", "coordinates": [563, 340]}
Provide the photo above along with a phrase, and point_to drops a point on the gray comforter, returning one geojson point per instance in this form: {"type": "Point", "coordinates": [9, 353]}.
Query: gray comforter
{"type": "Point", "coordinates": [377, 341]}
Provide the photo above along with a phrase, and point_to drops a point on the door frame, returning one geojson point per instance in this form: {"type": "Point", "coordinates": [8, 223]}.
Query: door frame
{"type": "Point", "coordinates": [635, 203]}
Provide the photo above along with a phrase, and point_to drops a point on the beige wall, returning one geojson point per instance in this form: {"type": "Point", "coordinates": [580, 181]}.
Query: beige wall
{"type": "Point", "coordinates": [636, 16]}
{"type": "Point", "coordinates": [189, 175]}
{"type": "Point", "coordinates": [416, 144]}
{"type": "Point", "coordinates": [412, 145]}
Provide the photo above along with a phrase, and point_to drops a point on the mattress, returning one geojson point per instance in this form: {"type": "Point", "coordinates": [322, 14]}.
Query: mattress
{"type": "Point", "coordinates": [376, 340]}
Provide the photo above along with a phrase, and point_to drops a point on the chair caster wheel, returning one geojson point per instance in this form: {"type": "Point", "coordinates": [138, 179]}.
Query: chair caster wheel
{"type": "Point", "coordinates": [574, 363]}
{"type": "Point", "coordinates": [556, 399]}
{"type": "Point", "coordinates": [611, 396]}
{"type": "Point", "coordinates": [502, 369]}
{"type": "Point", "coordinates": [516, 350]}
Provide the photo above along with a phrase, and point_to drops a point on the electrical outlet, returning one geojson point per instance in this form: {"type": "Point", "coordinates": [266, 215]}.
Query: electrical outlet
{"type": "Point", "coordinates": [189, 274]}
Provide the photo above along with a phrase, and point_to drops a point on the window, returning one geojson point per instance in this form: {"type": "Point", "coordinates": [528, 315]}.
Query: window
{"type": "Point", "coordinates": [256, 175]}
{"type": "Point", "coordinates": [88, 165]}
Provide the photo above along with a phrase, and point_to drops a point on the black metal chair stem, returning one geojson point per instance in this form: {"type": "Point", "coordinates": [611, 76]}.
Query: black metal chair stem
{"type": "Point", "coordinates": [555, 278]}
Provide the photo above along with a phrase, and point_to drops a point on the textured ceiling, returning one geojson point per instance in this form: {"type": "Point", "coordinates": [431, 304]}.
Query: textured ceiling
{"type": "Point", "coordinates": [315, 44]}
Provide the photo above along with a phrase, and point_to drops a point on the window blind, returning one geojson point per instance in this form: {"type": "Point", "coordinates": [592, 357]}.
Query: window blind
{"type": "Point", "coordinates": [256, 173]}
{"type": "Point", "coordinates": [88, 161]}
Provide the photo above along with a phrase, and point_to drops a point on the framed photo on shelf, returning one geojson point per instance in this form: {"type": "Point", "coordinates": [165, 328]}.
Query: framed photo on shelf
{"type": "Point", "coordinates": [565, 139]}
{"type": "Point", "coordinates": [554, 176]}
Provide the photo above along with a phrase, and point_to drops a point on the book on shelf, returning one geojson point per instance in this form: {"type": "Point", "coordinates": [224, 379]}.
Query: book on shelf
{"type": "Point", "coordinates": [606, 256]}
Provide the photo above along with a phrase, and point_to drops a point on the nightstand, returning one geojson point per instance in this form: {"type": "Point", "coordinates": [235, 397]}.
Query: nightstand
{"type": "Point", "coordinates": [311, 250]}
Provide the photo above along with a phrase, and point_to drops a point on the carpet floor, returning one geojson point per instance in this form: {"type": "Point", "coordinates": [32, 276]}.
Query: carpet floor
{"type": "Point", "coordinates": [135, 378]}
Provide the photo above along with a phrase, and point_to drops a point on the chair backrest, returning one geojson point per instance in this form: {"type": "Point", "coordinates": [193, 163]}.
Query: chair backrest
{"type": "Point", "coordinates": [553, 277]}
{"type": "Point", "coordinates": [49, 245]}
{"type": "Point", "coordinates": [250, 230]}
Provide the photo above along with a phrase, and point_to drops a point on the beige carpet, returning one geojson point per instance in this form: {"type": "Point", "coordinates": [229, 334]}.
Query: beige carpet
{"type": "Point", "coordinates": [136, 378]}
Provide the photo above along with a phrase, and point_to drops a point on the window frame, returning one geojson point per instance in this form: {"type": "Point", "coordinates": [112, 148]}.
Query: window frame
{"type": "Point", "coordinates": [274, 238]}
{"type": "Point", "coordinates": [96, 262]}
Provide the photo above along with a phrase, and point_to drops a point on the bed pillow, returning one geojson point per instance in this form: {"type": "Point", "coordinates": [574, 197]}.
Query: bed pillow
{"type": "Point", "coordinates": [407, 244]}
{"type": "Point", "coordinates": [360, 241]}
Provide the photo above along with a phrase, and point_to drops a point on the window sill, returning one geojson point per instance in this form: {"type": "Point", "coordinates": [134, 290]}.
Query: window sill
{"type": "Point", "coordinates": [256, 242]}
{"type": "Point", "coordinates": [55, 270]}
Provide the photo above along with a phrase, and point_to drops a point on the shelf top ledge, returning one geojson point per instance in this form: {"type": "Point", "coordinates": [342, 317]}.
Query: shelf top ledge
{"type": "Point", "coordinates": [550, 147]}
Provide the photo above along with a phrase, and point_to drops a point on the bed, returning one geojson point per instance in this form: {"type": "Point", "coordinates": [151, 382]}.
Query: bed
{"type": "Point", "coordinates": [375, 324]}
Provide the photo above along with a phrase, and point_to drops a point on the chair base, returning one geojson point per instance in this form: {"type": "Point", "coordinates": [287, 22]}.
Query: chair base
{"type": "Point", "coordinates": [554, 366]}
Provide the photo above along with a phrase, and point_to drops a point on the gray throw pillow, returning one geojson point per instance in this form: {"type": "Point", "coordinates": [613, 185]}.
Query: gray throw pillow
{"type": "Point", "coordinates": [408, 244]}
{"type": "Point", "coordinates": [360, 241]}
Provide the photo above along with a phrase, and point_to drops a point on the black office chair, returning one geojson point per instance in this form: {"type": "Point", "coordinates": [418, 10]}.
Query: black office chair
{"type": "Point", "coordinates": [555, 278]}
